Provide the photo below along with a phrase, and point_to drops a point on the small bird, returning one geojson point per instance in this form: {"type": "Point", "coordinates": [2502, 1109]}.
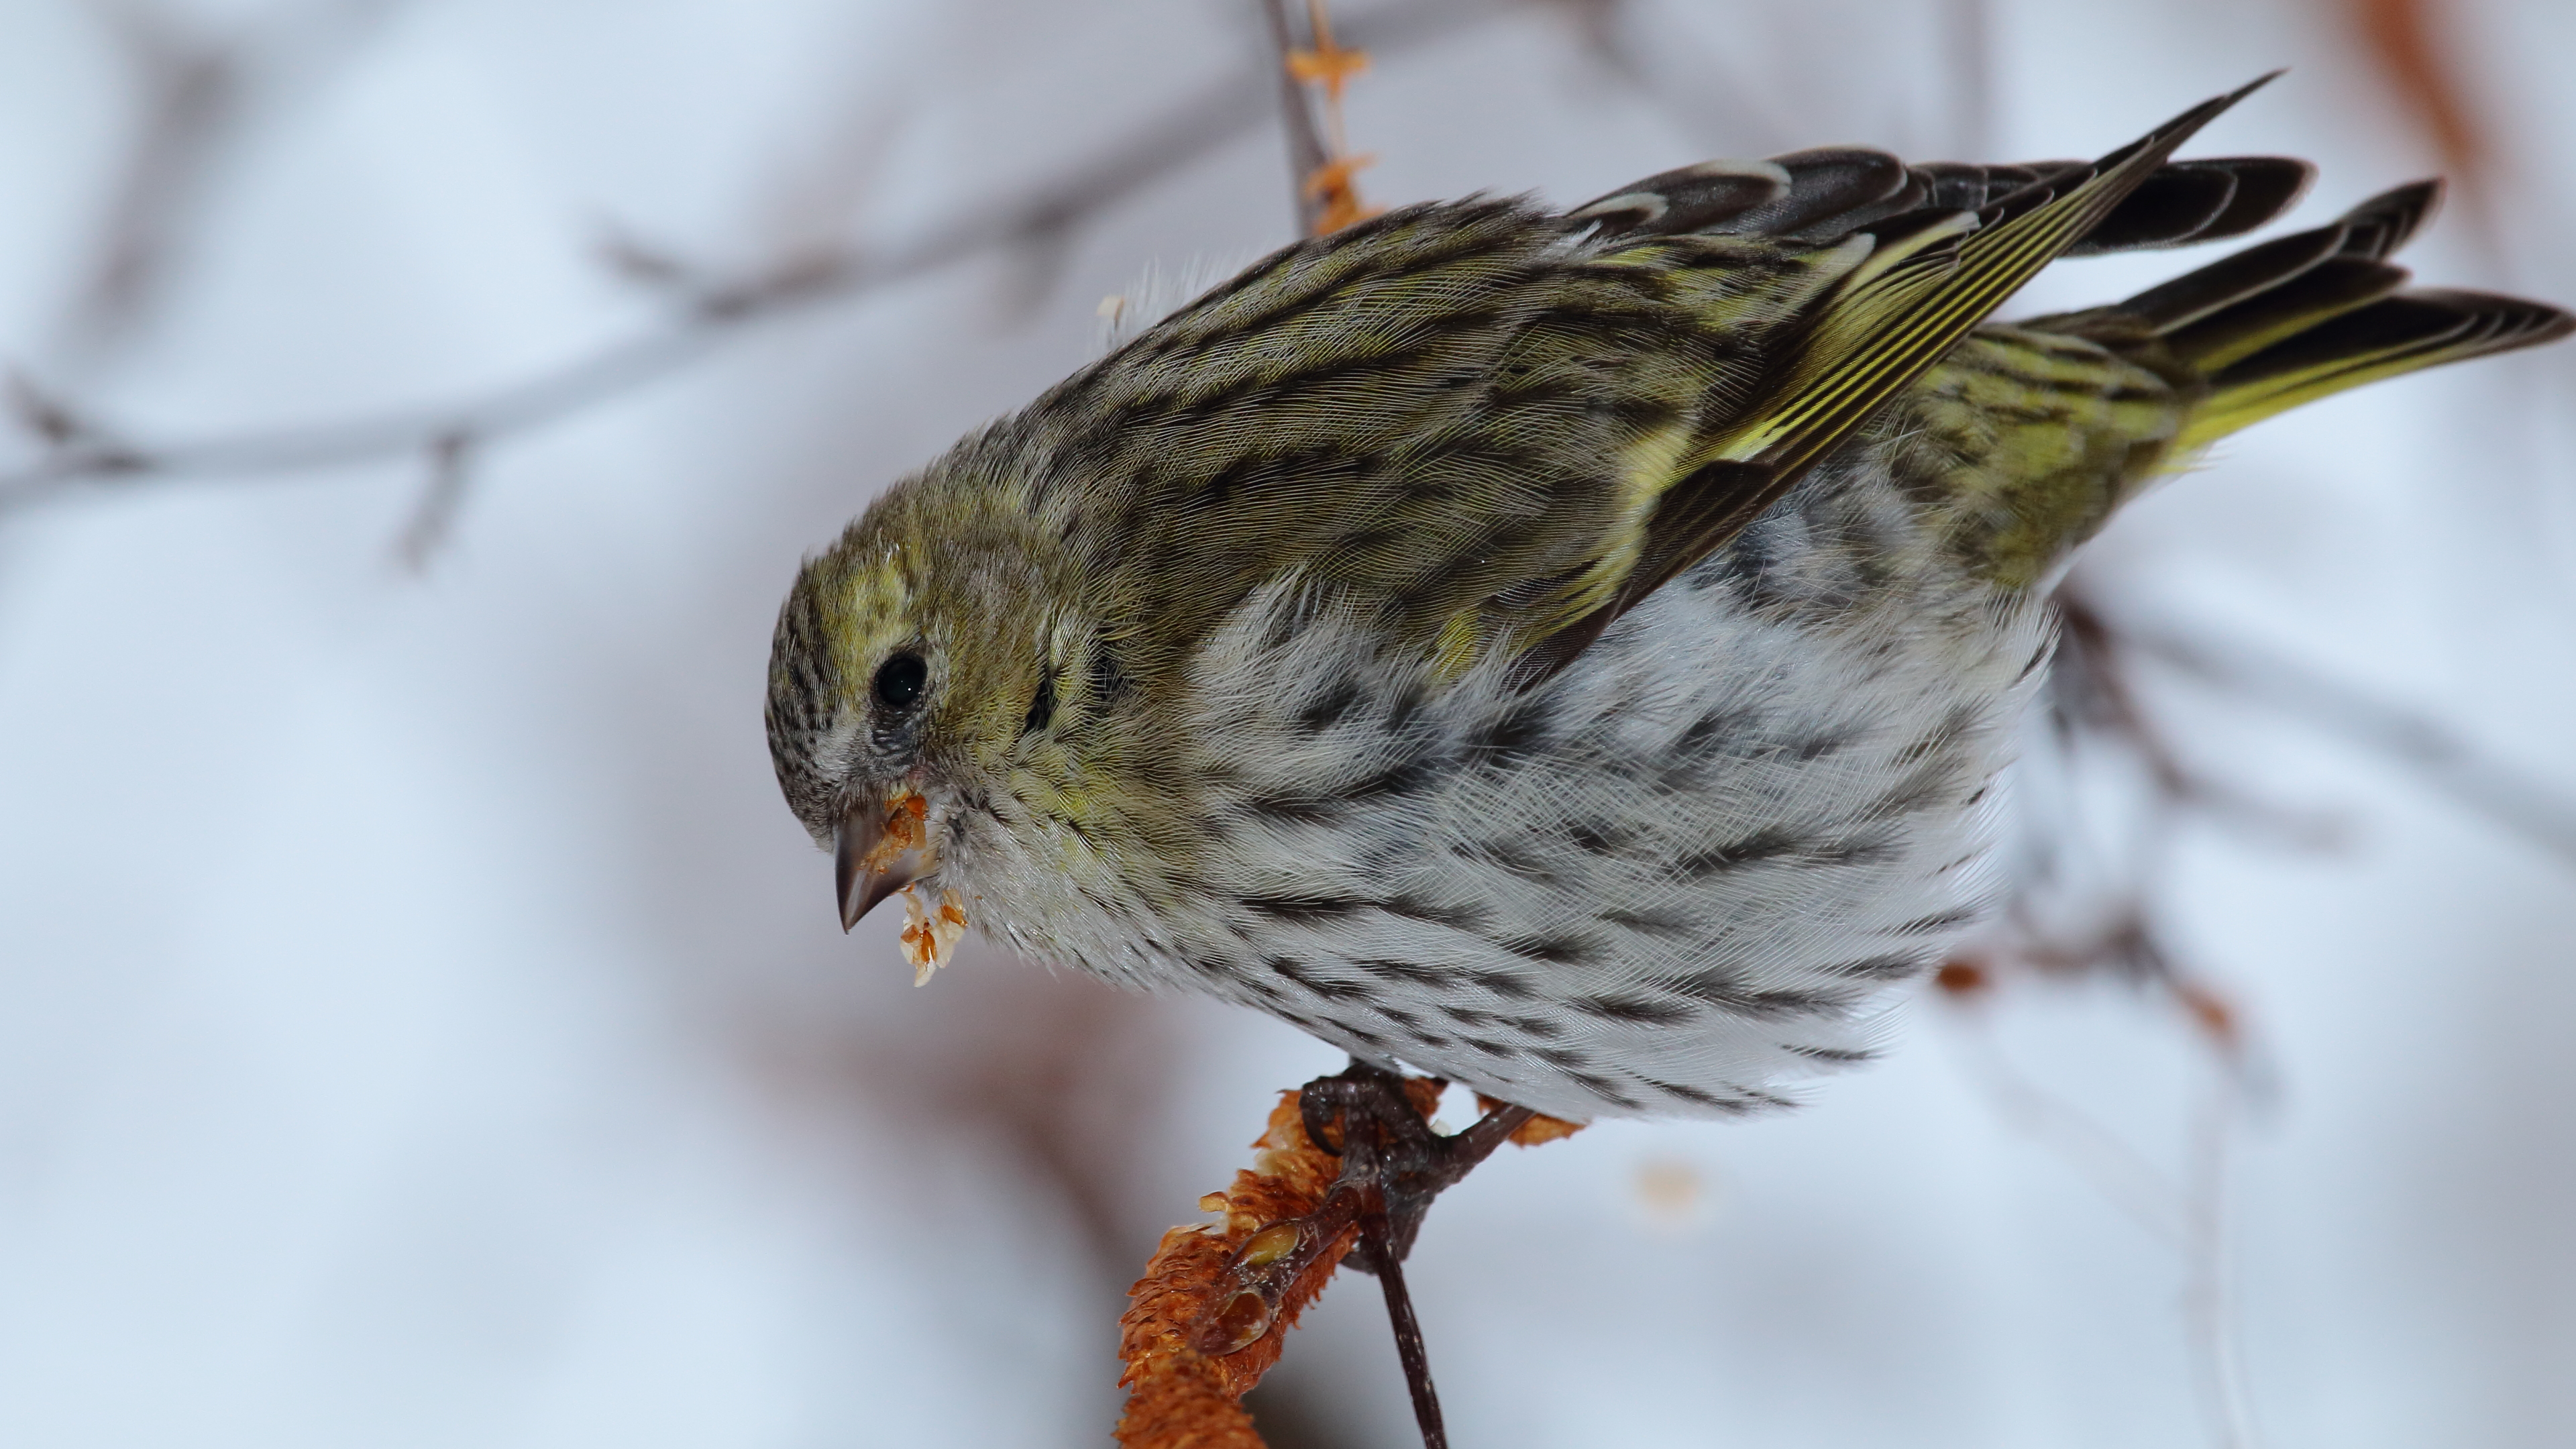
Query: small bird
{"type": "Point", "coordinates": [1568, 653]}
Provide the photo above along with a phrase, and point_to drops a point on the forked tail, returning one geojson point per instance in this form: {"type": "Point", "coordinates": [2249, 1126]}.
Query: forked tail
{"type": "Point", "coordinates": [2311, 314]}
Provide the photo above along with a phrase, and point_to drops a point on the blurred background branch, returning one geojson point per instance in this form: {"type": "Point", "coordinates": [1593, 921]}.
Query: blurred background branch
{"type": "Point", "coordinates": [206, 90]}
{"type": "Point", "coordinates": [192, 114]}
{"type": "Point", "coordinates": [558, 1112]}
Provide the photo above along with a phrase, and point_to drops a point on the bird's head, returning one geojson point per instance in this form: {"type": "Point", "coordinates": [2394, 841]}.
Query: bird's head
{"type": "Point", "coordinates": [909, 661]}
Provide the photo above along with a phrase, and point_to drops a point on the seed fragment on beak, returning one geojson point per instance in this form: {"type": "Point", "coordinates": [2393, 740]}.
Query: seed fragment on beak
{"type": "Point", "coordinates": [876, 852]}
{"type": "Point", "coordinates": [930, 934]}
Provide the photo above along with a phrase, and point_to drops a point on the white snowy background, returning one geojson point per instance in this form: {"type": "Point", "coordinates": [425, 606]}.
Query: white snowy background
{"type": "Point", "coordinates": [422, 1025]}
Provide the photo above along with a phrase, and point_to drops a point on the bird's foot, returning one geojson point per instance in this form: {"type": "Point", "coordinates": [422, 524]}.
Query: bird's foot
{"type": "Point", "coordinates": [1364, 1115]}
{"type": "Point", "coordinates": [1392, 1166]}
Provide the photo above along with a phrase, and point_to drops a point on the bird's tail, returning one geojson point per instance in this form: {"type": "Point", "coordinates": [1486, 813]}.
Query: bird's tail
{"type": "Point", "coordinates": [2310, 314]}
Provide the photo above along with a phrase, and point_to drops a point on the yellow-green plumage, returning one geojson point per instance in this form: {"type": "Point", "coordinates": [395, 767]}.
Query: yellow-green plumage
{"type": "Point", "coordinates": [1563, 652]}
{"type": "Point", "coordinates": [2026, 441]}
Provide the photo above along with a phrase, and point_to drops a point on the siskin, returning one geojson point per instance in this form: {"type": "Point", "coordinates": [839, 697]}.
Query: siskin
{"type": "Point", "coordinates": [1565, 653]}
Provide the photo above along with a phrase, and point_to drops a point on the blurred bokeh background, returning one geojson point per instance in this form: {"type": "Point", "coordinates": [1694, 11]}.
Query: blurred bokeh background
{"type": "Point", "coordinates": [421, 1024]}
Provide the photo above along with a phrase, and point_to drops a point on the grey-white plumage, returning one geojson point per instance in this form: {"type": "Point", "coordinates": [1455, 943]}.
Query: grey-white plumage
{"type": "Point", "coordinates": [1680, 871]}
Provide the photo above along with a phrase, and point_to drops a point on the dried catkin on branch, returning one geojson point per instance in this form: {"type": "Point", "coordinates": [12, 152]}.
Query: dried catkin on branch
{"type": "Point", "coordinates": [1211, 1314]}
{"type": "Point", "coordinates": [1179, 1394]}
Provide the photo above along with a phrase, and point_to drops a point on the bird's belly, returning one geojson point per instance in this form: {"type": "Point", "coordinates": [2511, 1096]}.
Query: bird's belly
{"type": "Point", "coordinates": [1684, 869]}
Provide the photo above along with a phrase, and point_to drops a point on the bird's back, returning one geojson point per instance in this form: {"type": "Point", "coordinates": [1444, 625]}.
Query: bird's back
{"type": "Point", "coordinates": [1573, 653]}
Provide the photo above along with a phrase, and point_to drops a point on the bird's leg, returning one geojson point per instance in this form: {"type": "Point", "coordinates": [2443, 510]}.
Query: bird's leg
{"type": "Point", "coordinates": [1393, 1165]}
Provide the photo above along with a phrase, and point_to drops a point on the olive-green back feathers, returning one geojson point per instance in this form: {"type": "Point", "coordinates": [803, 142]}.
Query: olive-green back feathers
{"type": "Point", "coordinates": [1498, 429]}
{"type": "Point", "coordinates": [1494, 429]}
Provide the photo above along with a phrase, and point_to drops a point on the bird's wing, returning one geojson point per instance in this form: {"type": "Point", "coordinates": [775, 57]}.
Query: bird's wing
{"type": "Point", "coordinates": [1826, 194]}
{"type": "Point", "coordinates": [1499, 428]}
{"type": "Point", "coordinates": [1909, 288]}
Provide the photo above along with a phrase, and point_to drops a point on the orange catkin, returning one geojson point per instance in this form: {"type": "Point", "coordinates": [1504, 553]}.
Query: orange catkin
{"type": "Point", "coordinates": [1178, 1397]}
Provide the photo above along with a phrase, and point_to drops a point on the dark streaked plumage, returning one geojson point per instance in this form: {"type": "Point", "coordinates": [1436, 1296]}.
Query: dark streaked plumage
{"type": "Point", "coordinates": [1565, 652]}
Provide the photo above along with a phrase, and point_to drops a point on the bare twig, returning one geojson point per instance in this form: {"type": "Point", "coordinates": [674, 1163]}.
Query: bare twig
{"type": "Point", "coordinates": [2210, 1295]}
{"type": "Point", "coordinates": [62, 429]}
{"type": "Point", "coordinates": [204, 95]}
{"type": "Point", "coordinates": [2117, 1171]}
{"type": "Point", "coordinates": [1306, 154]}
{"type": "Point", "coordinates": [1185, 131]}
{"type": "Point", "coordinates": [649, 267]}
{"type": "Point", "coordinates": [45, 416]}
{"type": "Point", "coordinates": [2092, 688]}
{"type": "Point", "coordinates": [190, 98]}
{"type": "Point", "coordinates": [1665, 63]}
{"type": "Point", "coordinates": [1313, 76]}
{"type": "Point", "coordinates": [2432, 752]}
{"type": "Point", "coordinates": [2405, 37]}
{"type": "Point", "coordinates": [2188, 1212]}
{"type": "Point", "coordinates": [433, 519]}
{"type": "Point", "coordinates": [1596, 26]}
{"type": "Point", "coordinates": [712, 319]}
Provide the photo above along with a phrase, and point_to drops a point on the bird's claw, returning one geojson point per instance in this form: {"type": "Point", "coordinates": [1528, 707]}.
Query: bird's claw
{"type": "Point", "coordinates": [1363, 1115]}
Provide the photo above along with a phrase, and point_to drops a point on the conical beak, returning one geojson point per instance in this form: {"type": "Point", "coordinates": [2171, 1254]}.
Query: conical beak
{"type": "Point", "coordinates": [864, 871]}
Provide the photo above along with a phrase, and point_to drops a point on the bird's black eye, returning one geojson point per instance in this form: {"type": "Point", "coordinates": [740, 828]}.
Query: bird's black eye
{"type": "Point", "coordinates": [899, 682]}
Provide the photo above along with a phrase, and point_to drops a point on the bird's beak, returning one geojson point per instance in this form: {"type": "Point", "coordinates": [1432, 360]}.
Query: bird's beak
{"type": "Point", "coordinates": [877, 851]}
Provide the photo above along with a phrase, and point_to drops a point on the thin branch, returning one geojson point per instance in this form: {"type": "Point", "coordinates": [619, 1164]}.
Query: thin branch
{"type": "Point", "coordinates": [1306, 153]}
{"type": "Point", "coordinates": [2189, 1215]}
{"type": "Point", "coordinates": [1596, 25]}
{"type": "Point", "coordinates": [648, 267]}
{"type": "Point", "coordinates": [1313, 76]}
{"type": "Point", "coordinates": [190, 107]}
{"type": "Point", "coordinates": [626, 366]}
{"type": "Point", "coordinates": [44, 415]}
{"type": "Point", "coordinates": [2406, 37]}
{"type": "Point", "coordinates": [2224, 1390]}
{"type": "Point", "coordinates": [1190, 129]}
{"type": "Point", "coordinates": [205, 98]}
{"type": "Point", "coordinates": [433, 519]}
{"type": "Point", "coordinates": [2117, 1171]}
{"type": "Point", "coordinates": [2538, 810]}
{"type": "Point", "coordinates": [2091, 687]}
{"type": "Point", "coordinates": [1697, 87]}
{"type": "Point", "coordinates": [1345, 1172]}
